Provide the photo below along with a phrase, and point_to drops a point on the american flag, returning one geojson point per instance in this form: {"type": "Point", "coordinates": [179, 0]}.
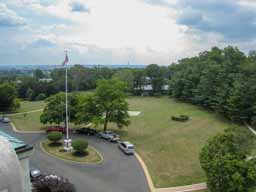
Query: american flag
{"type": "Point", "coordinates": [66, 60]}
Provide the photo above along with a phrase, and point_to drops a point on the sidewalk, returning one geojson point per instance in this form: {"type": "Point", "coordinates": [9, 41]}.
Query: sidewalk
{"type": "Point", "coordinates": [187, 188]}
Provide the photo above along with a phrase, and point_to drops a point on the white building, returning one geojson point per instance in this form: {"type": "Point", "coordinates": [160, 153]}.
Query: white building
{"type": "Point", "coordinates": [45, 80]}
{"type": "Point", "coordinates": [14, 164]}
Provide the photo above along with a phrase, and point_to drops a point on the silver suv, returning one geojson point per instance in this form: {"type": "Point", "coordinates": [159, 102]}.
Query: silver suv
{"type": "Point", "coordinates": [127, 147]}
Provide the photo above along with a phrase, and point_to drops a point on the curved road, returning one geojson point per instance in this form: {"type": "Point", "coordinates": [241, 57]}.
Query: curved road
{"type": "Point", "coordinates": [118, 172]}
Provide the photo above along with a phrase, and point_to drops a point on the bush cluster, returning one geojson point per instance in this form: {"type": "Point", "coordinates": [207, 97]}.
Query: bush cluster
{"type": "Point", "coordinates": [181, 118]}
{"type": "Point", "coordinates": [54, 136]}
{"type": "Point", "coordinates": [79, 145]}
{"type": "Point", "coordinates": [53, 183]}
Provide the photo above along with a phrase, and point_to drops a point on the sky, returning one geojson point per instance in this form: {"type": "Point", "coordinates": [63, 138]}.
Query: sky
{"type": "Point", "coordinates": [121, 31]}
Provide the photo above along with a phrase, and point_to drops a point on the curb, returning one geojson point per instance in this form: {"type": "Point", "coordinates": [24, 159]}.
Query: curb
{"type": "Point", "coordinates": [146, 172]}
{"type": "Point", "coordinates": [18, 131]}
{"type": "Point", "coordinates": [70, 161]}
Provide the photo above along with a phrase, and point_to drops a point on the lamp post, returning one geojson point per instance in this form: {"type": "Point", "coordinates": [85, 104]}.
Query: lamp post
{"type": "Point", "coordinates": [67, 140]}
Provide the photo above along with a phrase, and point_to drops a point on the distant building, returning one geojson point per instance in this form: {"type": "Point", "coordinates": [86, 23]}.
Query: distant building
{"type": "Point", "coordinates": [45, 80]}
{"type": "Point", "coordinates": [148, 89]}
{"type": "Point", "coordinates": [14, 164]}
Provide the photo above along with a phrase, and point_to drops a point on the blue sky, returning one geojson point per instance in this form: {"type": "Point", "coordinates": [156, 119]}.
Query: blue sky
{"type": "Point", "coordinates": [118, 31]}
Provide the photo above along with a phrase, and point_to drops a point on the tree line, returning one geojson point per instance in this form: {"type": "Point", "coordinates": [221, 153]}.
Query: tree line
{"type": "Point", "coordinates": [38, 84]}
{"type": "Point", "coordinates": [223, 80]}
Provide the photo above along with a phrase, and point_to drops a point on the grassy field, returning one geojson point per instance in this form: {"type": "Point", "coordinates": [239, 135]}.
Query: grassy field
{"type": "Point", "coordinates": [170, 149]}
{"type": "Point", "coordinates": [26, 106]}
{"type": "Point", "coordinates": [28, 122]}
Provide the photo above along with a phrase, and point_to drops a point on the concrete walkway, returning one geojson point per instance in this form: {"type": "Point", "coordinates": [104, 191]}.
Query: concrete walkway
{"type": "Point", "coordinates": [251, 129]}
{"type": "Point", "coordinates": [187, 188]}
{"type": "Point", "coordinates": [22, 113]}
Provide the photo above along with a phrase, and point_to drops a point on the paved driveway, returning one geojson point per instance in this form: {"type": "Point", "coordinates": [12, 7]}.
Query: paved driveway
{"type": "Point", "coordinates": [118, 172]}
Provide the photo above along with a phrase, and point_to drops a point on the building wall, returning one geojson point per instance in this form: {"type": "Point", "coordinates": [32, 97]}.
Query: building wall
{"type": "Point", "coordinates": [24, 162]}
{"type": "Point", "coordinates": [10, 169]}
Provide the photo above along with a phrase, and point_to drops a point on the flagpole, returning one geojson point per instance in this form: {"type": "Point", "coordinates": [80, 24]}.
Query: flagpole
{"type": "Point", "coordinates": [67, 141]}
{"type": "Point", "coordinates": [67, 137]}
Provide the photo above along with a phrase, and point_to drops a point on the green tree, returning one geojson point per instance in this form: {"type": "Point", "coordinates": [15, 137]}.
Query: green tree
{"type": "Point", "coordinates": [54, 111]}
{"type": "Point", "coordinates": [80, 78]}
{"type": "Point", "coordinates": [30, 94]}
{"type": "Point", "coordinates": [126, 75]}
{"type": "Point", "coordinates": [88, 110]}
{"type": "Point", "coordinates": [155, 74]}
{"type": "Point", "coordinates": [111, 101]}
{"type": "Point", "coordinates": [139, 81]}
{"type": "Point", "coordinates": [38, 74]}
{"type": "Point", "coordinates": [225, 163]}
{"type": "Point", "coordinates": [8, 98]}
{"type": "Point", "coordinates": [107, 104]}
{"type": "Point", "coordinates": [222, 80]}
{"type": "Point", "coordinates": [55, 136]}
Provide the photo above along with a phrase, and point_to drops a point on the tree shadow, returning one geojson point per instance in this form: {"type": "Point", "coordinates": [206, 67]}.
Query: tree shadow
{"type": "Point", "coordinates": [80, 154]}
{"type": "Point", "coordinates": [55, 144]}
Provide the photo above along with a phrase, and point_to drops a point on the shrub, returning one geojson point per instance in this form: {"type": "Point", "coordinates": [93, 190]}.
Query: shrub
{"type": "Point", "coordinates": [80, 145]}
{"type": "Point", "coordinates": [181, 118]}
{"type": "Point", "coordinates": [253, 121]}
{"type": "Point", "coordinates": [53, 183]}
{"type": "Point", "coordinates": [54, 136]}
{"type": "Point", "coordinates": [40, 97]}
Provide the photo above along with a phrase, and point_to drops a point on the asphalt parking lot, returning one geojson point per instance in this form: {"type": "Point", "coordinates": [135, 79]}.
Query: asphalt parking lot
{"type": "Point", "coordinates": [117, 173]}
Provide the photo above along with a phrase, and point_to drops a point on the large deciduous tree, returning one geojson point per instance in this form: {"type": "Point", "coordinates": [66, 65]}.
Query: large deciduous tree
{"type": "Point", "coordinates": [8, 98]}
{"type": "Point", "coordinates": [224, 160]}
{"type": "Point", "coordinates": [54, 111]}
{"type": "Point", "coordinates": [87, 110]}
{"type": "Point", "coordinates": [107, 104]}
{"type": "Point", "coordinates": [111, 101]}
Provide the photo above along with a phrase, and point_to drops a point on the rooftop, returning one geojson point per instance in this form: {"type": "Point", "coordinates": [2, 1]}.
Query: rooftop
{"type": "Point", "coordinates": [16, 144]}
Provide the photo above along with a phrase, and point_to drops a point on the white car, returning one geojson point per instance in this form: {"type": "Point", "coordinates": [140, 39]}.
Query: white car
{"type": "Point", "coordinates": [6, 120]}
{"type": "Point", "coordinates": [127, 147]}
{"type": "Point", "coordinates": [35, 174]}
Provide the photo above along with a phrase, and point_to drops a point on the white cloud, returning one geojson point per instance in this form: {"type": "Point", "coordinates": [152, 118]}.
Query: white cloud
{"type": "Point", "coordinates": [115, 31]}
{"type": "Point", "coordinates": [8, 18]}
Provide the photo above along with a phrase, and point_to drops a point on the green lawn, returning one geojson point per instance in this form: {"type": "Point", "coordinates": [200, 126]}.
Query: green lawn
{"type": "Point", "coordinates": [28, 122]}
{"type": "Point", "coordinates": [26, 106]}
{"type": "Point", "coordinates": [170, 149]}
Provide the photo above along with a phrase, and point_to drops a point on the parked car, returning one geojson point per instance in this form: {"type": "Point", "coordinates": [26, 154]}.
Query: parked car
{"type": "Point", "coordinates": [109, 135]}
{"type": "Point", "coordinates": [57, 128]}
{"type": "Point", "coordinates": [127, 147]}
{"type": "Point", "coordinates": [35, 174]}
{"type": "Point", "coordinates": [6, 120]}
{"type": "Point", "coordinates": [86, 131]}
